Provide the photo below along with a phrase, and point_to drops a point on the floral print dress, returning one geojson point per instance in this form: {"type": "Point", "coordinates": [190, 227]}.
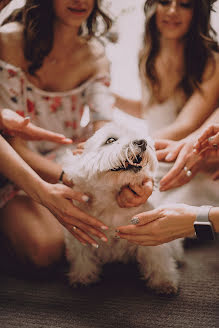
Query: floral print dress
{"type": "Point", "coordinates": [70, 113]}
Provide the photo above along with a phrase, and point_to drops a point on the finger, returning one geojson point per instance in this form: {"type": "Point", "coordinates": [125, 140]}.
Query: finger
{"type": "Point", "coordinates": [122, 203]}
{"type": "Point", "coordinates": [83, 236]}
{"type": "Point", "coordinates": [161, 144]}
{"type": "Point", "coordinates": [173, 154]}
{"type": "Point", "coordinates": [81, 240]}
{"type": "Point", "coordinates": [175, 170]}
{"type": "Point", "coordinates": [134, 238]}
{"type": "Point", "coordinates": [142, 190]}
{"type": "Point", "coordinates": [26, 121]}
{"type": "Point", "coordinates": [37, 133]}
{"type": "Point", "coordinates": [86, 218]}
{"type": "Point", "coordinates": [161, 154]}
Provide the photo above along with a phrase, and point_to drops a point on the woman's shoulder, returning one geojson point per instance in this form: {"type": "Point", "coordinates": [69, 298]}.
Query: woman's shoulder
{"type": "Point", "coordinates": [11, 44]}
{"type": "Point", "coordinates": [97, 52]}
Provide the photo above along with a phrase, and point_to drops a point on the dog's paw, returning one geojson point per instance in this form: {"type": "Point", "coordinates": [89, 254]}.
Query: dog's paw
{"type": "Point", "coordinates": [85, 280]}
{"type": "Point", "coordinates": [166, 287]}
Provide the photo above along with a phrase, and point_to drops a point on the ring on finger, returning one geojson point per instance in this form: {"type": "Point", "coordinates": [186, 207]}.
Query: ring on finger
{"type": "Point", "coordinates": [189, 173]}
{"type": "Point", "coordinates": [74, 228]}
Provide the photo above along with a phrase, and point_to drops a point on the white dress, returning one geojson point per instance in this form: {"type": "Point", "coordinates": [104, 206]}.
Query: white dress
{"type": "Point", "coordinates": [70, 113]}
{"type": "Point", "coordinates": [201, 190]}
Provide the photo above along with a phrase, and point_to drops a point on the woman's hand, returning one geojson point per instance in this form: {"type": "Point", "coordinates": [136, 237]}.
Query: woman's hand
{"type": "Point", "coordinates": [59, 198]}
{"type": "Point", "coordinates": [168, 150]}
{"type": "Point", "coordinates": [135, 195]}
{"type": "Point", "coordinates": [208, 143]}
{"type": "Point", "coordinates": [16, 125]}
{"type": "Point", "coordinates": [185, 168]}
{"type": "Point", "coordinates": [160, 225]}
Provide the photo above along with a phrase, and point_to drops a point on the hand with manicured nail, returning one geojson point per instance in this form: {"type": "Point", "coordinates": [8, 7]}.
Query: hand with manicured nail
{"type": "Point", "coordinates": [168, 150]}
{"type": "Point", "coordinates": [16, 125]}
{"type": "Point", "coordinates": [160, 225]}
{"type": "Point", "coordinates": [186, 161]}
{"type": "Point", "coordinates": [59, 198]}
{"type": "Point", "coordinates": [208, 142]}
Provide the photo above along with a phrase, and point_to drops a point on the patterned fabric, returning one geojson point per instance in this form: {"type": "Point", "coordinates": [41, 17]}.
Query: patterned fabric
{"type": "Point", "coordinates": [70, 113]}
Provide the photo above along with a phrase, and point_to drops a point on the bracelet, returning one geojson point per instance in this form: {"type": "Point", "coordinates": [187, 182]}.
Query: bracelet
{"type": "Point", "coordinates": [61, 176]}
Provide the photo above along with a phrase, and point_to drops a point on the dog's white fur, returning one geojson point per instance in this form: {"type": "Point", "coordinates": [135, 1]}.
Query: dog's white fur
{"type": "Point", "coordinates": [92, 174]}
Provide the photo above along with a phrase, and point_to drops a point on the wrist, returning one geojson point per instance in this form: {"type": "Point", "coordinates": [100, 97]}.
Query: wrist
{"type": "Point", "coordinates": [214, 218]}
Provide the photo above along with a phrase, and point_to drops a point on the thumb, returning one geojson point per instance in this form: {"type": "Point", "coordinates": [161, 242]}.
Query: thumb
{"type": "Point", "coordinates": [76, 195]}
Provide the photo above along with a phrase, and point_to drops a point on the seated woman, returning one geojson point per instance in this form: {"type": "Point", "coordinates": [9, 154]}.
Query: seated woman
{"type": "Point", "coordinates": [50, 67]}
{"type": "Point", "coordinates": [53, 68]}
{"type": "Point", "coordinates": [179, 71]}
{"type": "Point", "coordinates": [179, 92]}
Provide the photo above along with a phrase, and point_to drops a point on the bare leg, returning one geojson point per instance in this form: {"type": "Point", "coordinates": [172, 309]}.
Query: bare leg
{"type": "Point", "coordinates": [32, 231]}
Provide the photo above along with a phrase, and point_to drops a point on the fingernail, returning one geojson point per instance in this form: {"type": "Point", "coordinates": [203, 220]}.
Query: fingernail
{"type": "Point", "coordinates": [27, 117]}
{"type": "Point", "coordinates": [195, 151]}
{"type": "Point", "coordinates": [85, 198]}
{"type": "Point", "coordinates": [117, 237]}
{"type": "Point", "coordinates": [135, 220]}
{"type": "Point", "coordinates": [95, 245]}
{"type": "Point", "coordinates": [104, 239]}
{"type": "Point", "coordinates": [210, 138]}
{"type": "Point", "coordinates": [168, 157]}
{"type": "Point", "coordinates": [104, 227]}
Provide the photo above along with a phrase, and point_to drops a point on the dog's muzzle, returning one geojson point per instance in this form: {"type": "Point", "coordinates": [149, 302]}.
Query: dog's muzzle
{"type": "Point", "coordinates": [135, 164]}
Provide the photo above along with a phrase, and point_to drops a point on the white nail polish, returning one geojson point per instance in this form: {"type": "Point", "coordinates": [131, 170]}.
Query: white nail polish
{"type": "Point", "coordinates": [95, 245]}
{"type": "Point", "coordinates": [85, 198]}
{"type": "Point", "coordinates": [104, 227]}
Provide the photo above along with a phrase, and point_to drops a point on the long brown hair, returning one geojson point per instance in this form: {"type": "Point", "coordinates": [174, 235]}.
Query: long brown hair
{"type": "Point", "coordinates": [199, 44]}
{"type": "Point", "coordinates": [37, 17]}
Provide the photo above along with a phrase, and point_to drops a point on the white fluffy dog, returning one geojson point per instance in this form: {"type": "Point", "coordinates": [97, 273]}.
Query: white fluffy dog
{"type": "Point", "coordinates": [116, 156]}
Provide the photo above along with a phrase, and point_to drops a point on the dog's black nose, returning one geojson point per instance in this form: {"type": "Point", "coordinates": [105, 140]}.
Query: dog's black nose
{"type": "Point", "coordinates": [142, 143]}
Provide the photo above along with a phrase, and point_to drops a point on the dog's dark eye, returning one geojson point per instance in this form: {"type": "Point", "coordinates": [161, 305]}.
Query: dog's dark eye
{"type": "Point", "coordinates": [110, 140]}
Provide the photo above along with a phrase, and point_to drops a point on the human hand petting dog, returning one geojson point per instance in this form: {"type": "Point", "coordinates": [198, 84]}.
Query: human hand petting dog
{"type": "Point", "coordinates": [16, 125]}
{"type": "Point", "coordinates": [160, 225]}
{"type": "Point", "coordinates": [135, 195]}
{"type": "Point", "coordinates": [58, 199]}
{"type": "Point", "coordinates": [192, 156]}
{"type": "Point", "coordinates": [184, 169]}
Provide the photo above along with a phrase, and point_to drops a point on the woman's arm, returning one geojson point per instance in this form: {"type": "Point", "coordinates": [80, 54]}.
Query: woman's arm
{"type": "Point", "coordinates": [129, 106]}
{"type": "Point", "coordinates": [164, 224]}
{"type": "Point", "coordinates": [197, 109]}
{"type": "Point", "coordinates": [47, 169]}
{"type": "Point", "coordinates": [56, 197]}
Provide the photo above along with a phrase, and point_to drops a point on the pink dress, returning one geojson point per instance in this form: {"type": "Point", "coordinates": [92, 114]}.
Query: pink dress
{"type": "Point", "coordinates": [70, 113]}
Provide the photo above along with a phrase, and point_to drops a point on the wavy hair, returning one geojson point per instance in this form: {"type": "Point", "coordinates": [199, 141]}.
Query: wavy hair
{"type": "Point", "coordinates": [200, 42]}
{"type": "Point", "coordinates": [37, 17]}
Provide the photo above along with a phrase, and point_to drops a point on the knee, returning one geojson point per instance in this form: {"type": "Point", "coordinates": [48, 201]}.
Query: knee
{"type": "Point", "coordinates": [46, 251]}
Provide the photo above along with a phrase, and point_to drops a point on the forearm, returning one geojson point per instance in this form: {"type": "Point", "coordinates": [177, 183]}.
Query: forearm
{"type": "Point", "coordinates": [15, 169]}
{"type": "Point", "coordinates": [47, 170]}
{"type": "Point", "coordinates": [129, 106]}
{"type": "Point", "coordinates": [214, 217]}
